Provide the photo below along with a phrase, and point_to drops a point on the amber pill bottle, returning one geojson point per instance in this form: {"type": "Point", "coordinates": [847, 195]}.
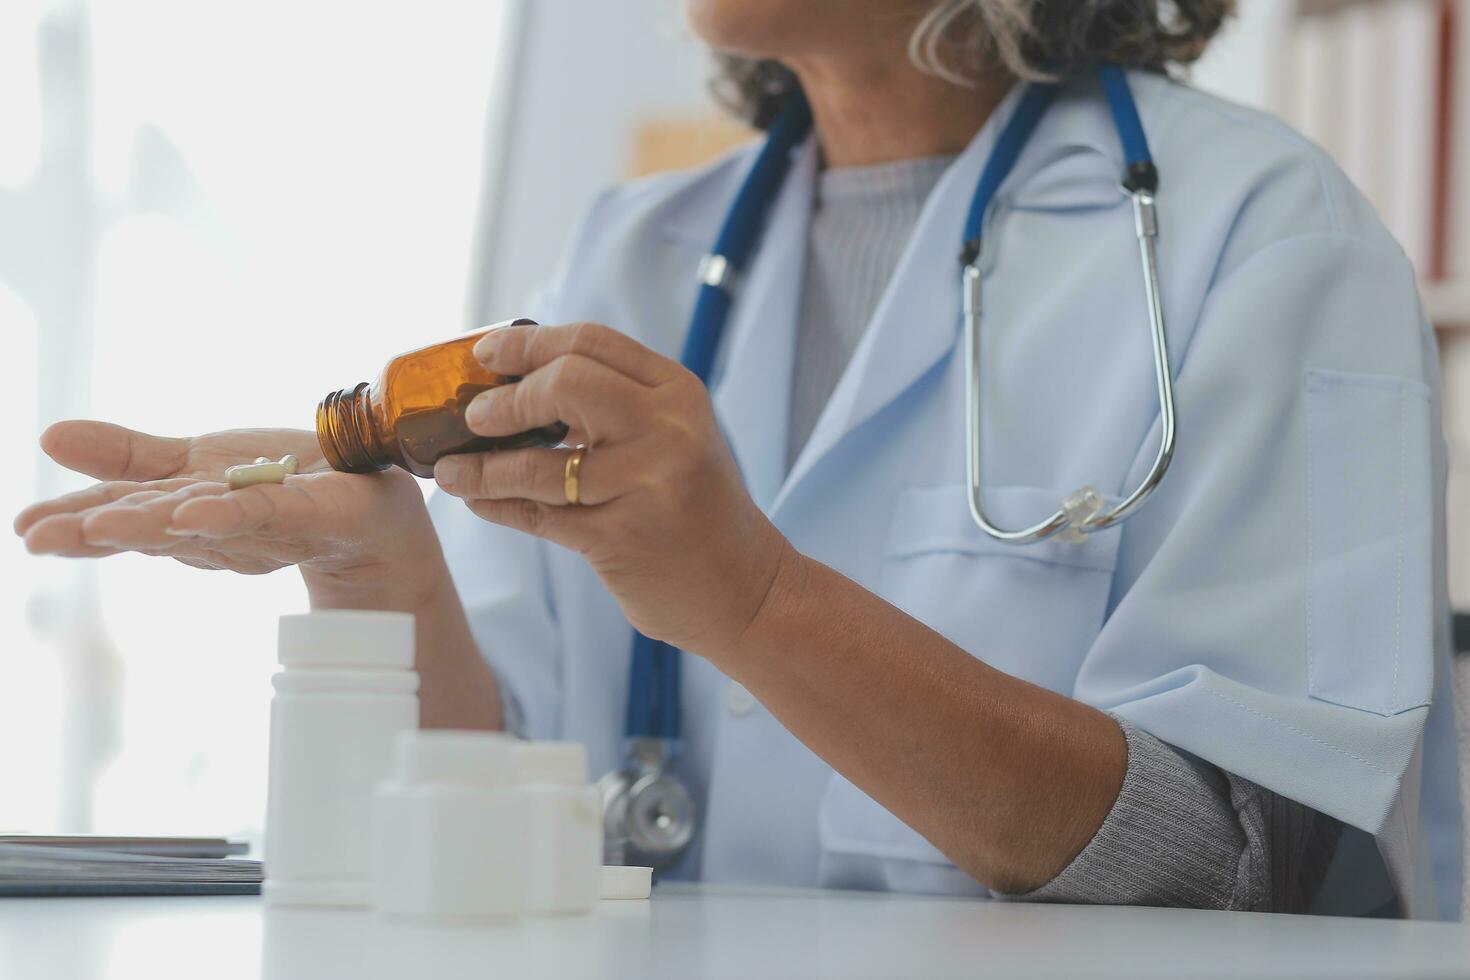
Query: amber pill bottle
{"type": "Point", "coordinates": [414, 412]}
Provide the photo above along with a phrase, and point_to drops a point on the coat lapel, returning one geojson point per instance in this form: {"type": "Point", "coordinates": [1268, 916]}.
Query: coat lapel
{"type": "Point", "coordinates": [752, 382]}
{"type": "Point", "coordinates": [917, 322]}
{"type": "Point", "coordinates": [1073, 160]}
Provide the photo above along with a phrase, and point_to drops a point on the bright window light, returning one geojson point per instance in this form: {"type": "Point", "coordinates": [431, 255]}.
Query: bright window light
{"type": "Point", "coordinates": [282, 196]}
{"type": "Point", "coordinates": [20, 91]}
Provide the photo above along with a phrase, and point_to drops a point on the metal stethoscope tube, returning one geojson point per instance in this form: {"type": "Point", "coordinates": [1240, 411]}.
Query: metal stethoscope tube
{"type": "Point", "coordinates": [1082, 511]}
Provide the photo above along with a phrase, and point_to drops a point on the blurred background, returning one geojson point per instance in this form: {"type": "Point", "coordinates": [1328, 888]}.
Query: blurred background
{"type": "Point", "coordinates": [212, 213]}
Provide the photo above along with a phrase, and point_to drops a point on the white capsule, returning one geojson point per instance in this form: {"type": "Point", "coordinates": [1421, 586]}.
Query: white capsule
{"type": "Point", "coordinates": [289, 462]}
{"type": "Point", "coordinates": [250, 474]}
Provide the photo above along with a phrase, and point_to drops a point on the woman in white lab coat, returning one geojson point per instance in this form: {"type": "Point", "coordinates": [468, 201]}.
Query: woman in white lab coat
{"type": "Point", "coordinates": [1222, 703]}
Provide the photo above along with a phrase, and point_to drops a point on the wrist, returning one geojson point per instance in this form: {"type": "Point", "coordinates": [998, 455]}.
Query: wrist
{"type": "Point", "coordinates": [405, 580]}
{"type": "Point", "coordinates": [779, 606]}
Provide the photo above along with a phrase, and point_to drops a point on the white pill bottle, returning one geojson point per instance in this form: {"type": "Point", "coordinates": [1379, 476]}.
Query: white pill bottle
{"type": "Point", "coordinates": [346, 692]}
{"type": "Point", "coordinates": [450, 834]}
{"type": "Point", "coordinates": [564, 848]}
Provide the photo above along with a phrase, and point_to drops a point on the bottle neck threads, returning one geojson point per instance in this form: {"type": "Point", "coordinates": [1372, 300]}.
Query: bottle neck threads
{"type": "Point", "coordinates": [346, 433]}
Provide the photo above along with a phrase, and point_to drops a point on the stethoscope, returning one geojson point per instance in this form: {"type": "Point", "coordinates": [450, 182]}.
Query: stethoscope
{"type": "Point", "coordinates": [649, 815]}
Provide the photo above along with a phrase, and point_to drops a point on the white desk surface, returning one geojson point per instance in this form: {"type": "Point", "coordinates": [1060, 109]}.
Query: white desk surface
{"type": "Point", "coordinates": [689, 932]}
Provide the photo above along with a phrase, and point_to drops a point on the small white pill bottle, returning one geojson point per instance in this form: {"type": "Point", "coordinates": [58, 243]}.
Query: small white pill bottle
{"type": "Point", "coordinates": [346, 692]}
{"type": "Point", "coordinates": [449, 835]}
{"type": "Point", "coordinates": [564, 849]}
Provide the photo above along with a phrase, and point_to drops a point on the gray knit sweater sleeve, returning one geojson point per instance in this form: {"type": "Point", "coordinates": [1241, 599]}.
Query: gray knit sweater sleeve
{"type": "Point", "coordinates": [1184, 833]}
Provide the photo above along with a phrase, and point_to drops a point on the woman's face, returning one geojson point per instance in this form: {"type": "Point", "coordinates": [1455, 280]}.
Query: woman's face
{"type": "Point", "coordinates": [787, 29]}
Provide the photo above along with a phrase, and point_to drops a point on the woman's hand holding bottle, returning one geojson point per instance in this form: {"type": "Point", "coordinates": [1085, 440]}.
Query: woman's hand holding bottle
{"type": "Point", "coordinates": [656, 506]}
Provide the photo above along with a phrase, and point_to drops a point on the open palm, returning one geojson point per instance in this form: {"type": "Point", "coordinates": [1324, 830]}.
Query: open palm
{"type": "Point", "coordinates": [163, 496]}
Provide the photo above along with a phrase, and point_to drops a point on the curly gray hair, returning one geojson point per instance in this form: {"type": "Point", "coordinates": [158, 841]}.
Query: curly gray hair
{"type": "Point", "coordinates": [962, 40]}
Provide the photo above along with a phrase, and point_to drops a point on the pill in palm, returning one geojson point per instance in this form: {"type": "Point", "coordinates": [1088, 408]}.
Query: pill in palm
{"type": "Point", "coordinates": [263, 470]}
{"type": "Point", "coordinates": [250, 474]}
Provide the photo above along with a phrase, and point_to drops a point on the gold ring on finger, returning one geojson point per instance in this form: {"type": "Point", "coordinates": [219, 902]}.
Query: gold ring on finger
{"type": "Point", "coordinates": [572, 477]}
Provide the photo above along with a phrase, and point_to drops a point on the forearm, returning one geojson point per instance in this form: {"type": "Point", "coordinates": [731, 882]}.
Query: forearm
{"type": "Point", "coordinates": [1008, 779]}
{"type": "Point", "coordinates": [457, 688]}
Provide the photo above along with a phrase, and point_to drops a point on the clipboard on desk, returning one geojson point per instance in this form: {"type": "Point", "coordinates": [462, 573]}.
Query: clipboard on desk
{"type": "Point", "coordinates": [40, 867]}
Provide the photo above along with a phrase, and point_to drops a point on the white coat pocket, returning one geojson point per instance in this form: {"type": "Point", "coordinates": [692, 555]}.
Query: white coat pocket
{"type": "Point", "coordinates": [1369, 616]}
{"type": "Point", "coordinates": [1030, 610]}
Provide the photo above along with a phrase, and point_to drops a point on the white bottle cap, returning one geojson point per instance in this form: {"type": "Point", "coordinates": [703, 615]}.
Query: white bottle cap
{"type": "Point", "coordinates": [441, 756]}
{"type": "Point", "coordinates": [347, 638]}
{"type": "Point", "coordinates": [562, 763]}
{"type": "Point", "coordinates": [629, 883]}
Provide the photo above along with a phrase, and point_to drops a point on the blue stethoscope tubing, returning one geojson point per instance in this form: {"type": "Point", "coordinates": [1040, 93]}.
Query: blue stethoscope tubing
{"type": "Point", "coordinates": [653, 688]}
{"type": "Point", "coordinates": [654, 677]}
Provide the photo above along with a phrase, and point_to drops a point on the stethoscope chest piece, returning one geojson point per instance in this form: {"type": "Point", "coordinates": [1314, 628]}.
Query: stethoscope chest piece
{"type": "Point", "coordinates": [648, 814]}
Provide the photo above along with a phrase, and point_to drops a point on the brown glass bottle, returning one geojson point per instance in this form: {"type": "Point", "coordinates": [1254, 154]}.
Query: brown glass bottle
{"type": "Point", "coordinates": [414, 413]}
